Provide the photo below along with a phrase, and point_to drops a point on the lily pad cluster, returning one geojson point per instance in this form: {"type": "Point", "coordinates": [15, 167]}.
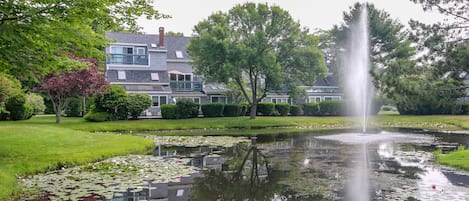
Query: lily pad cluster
{"type": "Point", "coordinates": [108, 178]}
{"type": "Point", "coordinates": [196, 141]}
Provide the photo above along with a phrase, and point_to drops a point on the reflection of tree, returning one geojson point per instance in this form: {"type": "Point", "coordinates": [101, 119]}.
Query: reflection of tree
{"type": "Point", "coordinates": [248, 177]}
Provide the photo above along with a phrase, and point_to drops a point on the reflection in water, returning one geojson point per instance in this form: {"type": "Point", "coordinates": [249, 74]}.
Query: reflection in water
{"type": "Point", "coordinates": [304, 167]}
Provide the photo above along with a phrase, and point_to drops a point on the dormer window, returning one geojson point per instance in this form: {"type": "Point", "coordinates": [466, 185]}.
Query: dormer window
{"type": "Point", "coordinates": [179, 55]}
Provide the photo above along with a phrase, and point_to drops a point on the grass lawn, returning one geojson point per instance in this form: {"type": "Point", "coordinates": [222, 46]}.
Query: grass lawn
{"type": "Point", "coordinates": [38, 144]}
{"type": "Point", "coordinates": [458, 159]}
{"type": "Point", "coordinates": [28, 149]}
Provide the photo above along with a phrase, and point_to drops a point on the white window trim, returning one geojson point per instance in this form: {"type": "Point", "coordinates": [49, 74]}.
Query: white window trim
{"type": "Point", "coordinates": [134, 46]}
{"type": "Point", "coordinates": [312, 99]}
{"type": "Point", "coordinates": [333, 97]}
{"type": "Point", "coordinates": [155, 76]}
{"type": "Point", "coordinates": [218, 96]}
{"type": "Point", "coordinates": [189, 97]}
{"type": "Point", "coordinates": [159, 96]}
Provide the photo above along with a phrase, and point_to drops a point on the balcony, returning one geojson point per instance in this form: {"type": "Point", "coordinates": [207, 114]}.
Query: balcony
{"type": "Point", "coordinates": [128, 59]}
{"type": "Point", "coordinates": [185, 86]}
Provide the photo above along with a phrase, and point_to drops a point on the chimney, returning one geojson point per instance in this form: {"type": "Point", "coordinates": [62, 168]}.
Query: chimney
{"type": "Point", "coordinates": [161, 36]}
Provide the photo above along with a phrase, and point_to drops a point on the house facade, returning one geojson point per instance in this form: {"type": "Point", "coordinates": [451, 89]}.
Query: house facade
{"type": "Point", "coordinates": [159, 66]}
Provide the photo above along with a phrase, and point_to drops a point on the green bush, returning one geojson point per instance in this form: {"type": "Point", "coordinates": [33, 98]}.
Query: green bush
{"type": "Point", "coordinates": [18, 108]}
{"type": "Point", "coordinates": [212, 109]}
{"type": "Point", "coordinates": [97, 116]}
{"type": "Point", "coordinates": [311, 109]}
{"type": "Point", "coordinates": [332, 108]}
{"type": "Point", "coordinates": [114, 102]}
{"type": "Point", "coordinates": [232, 110]}
{"type": "Point", "coordinates": [186, 108]}
{"type": "Point", "coordinates": [295, 110]}
{"type": "Point", "coordinates": [465, 108]}
{"type": "Point", "coordinates": [74, 108]}
{"type": "Point", "coordinates": [283, 108]}
{"type": "Point", "coordinates": [37, 102]}
{"type": "Point", "coordinates": [137, 103]}
{"type": "Point", "coordinates": [244, 109]}
{"type": "Point", "coordinates": [386, 108]}
{"type": "Point", "coordinates": [168, 111]}
{"type": "Point", "coordinates": [266, 108]}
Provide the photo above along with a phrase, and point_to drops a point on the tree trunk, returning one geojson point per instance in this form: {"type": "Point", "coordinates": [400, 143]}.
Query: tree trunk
{"type": "Point", "coordinates": [57, 117]}
{"type": "Point", "coordinates": [253, 110]}
{"type": "Point", "coordinates": [83, 106]}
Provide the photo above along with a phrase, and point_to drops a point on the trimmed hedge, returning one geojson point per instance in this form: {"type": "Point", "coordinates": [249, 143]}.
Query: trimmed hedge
{"type": "Point", "coordinates": [186, 108]}
{"type": "Point", "coordinates": [295, 110]}
{"type": "Point", "coordinates": [311, 109]}
{"type": "Point", "coordinates": [18, 108]}
{"type": "Point", "coordinates": [73, 108]}
{"type": "Point", "coordinates": [283, 108]}
{"type": "Point", "coordinates": [332, 108]}
{"type": "Point", "coordinates": [266, 108]}
{"type": "Point", "coordinates": [137, 103]}
{"type": "Point", "coordinates": [97, 116]}
{"type": "Point", "coordinates": [212, 109]}
{"type": "Point", "coordinates": [232, 110]}
{"type": "Point", "coordinates": [168, 111]}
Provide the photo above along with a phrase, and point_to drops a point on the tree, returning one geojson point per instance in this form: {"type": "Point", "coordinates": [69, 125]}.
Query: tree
{"type": "Point", "coordinates": [37, 34]}
{"type": "Point", "coordinates": [63, 86]}
{"type": "Point", "coordinates": [9, 86]}
{"type": "Point", "coordinates": [256, 46]}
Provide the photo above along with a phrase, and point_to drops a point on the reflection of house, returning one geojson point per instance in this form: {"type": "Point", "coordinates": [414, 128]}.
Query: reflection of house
{"type": "Point", "coordinates": [159, 66]}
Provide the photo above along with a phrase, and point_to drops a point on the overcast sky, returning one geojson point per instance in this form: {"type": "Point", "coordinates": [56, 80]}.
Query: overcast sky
{"type": "Point", "coordinates": [314, 14]}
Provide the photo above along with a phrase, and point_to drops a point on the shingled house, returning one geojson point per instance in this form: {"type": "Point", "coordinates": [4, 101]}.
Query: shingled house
{"type": "Point", "coordinates": [159, 66]}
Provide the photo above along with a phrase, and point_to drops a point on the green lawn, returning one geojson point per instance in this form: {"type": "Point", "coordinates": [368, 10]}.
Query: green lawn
{"type": "Point", "coordinates": [459, 159]}
{"type": "Point", "coordinates": [28, 149]}
{"type": "Point", "coordinates": [38, 144]}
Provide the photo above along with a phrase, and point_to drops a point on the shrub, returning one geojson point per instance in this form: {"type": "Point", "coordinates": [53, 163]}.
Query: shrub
{"type": "Point", "coordinates": [232, 110]}
{"type": "Point", "coordinates": [18, 108]}
{"type": "Point", "coordinates": [74, 108]}
{"type": "Point", "coordinates": [266, 108]}
{"type": "Point", "coordinates": [97, 116]}
{"type": "Point", "coordinates": [332, 108]}
{"type": "Point", "coordinates": [465, 108]}
{"type": "Point", "coordinates": [212, 109]}
{"type": "Point", "coordinates": [311, 109]}
{"type": "Point", "coordinates": [113, 101]}
{"type": "Point", "coordinates": [37, 102]}
{"type": "Point", "coordinates": [186, 108]}
{"type": "Point", "coordinates": [137, 103]}
{"type": "Point", "coordinates": [168, 111]}
{"type": "Point", "coordinates": [295, 110]}
{"type": "Point", "coordinates": [283, 108]}
{"type": "Point", "coordinates": [386, 108]}
{"type": "Point", "coordinates": [245, 109]}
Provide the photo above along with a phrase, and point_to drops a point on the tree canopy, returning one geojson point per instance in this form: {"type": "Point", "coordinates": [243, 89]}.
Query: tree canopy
{"type": "Point", "coordinates": [36, 35]}
{"type": "Point", "coordinates": [259, 47]}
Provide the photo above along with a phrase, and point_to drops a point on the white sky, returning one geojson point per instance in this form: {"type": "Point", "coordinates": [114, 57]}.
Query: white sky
{"type": "Point", "coordinates": [313, 14]}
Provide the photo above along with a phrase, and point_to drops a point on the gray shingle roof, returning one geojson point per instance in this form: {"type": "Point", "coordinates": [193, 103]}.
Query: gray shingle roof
{"type": "Point", "coordinates": [327, 81]}
{"type": "Point", "coordinates": [176, 43]}
{"type": "Point", "coordinates": [138, 76]}
{"type": "Point", "coordinates": [147, 39]}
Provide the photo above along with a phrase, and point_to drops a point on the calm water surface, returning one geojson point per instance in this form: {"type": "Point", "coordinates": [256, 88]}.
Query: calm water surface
{"type": "Point", "coordinates": [318, 167]}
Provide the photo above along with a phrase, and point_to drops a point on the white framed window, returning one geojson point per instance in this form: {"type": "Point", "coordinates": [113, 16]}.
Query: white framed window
{"type": "Point", "coordinates": [218, 99]}
{"type": "Point", "coordinates": [159, 100]}
{"type": "Point", "coordinates": [329, 98]}
{"type": "Point", "coordinates": [193, 99]}
{"type": "Point", "coordinates": [140, 51]}
{"type": "Point", "coordinates": [179, 54]}
{"type": "Point", "coordinates": [121, 75]}
{"type": "Point", "coordinates": [280, 100]}
{"type": "Point", "coordinates": [155, 76]}
{"type": "Point", "coordinates": [312, 99]}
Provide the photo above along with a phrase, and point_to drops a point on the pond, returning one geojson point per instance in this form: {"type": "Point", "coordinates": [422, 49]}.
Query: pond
{"type": "Point", "coordinates": [306, 166]}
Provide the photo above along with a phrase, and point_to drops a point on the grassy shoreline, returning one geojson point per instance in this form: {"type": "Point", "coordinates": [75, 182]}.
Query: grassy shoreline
{"type": "Point", "coordinates": [38, 144]}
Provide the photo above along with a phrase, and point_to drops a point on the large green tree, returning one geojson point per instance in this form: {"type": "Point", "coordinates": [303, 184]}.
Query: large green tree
{"type": "Point", "coordinates": [259, 47]}
{"type": "Point", "coordinates": [35, 35]}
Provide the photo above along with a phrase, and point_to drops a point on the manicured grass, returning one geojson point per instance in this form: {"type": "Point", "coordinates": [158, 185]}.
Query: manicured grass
{"type": "Point", "coordinates": [28, 149]}
{"type": "Point", "coordinates": [38, 144]}
{"type": "Point", "coordinates": [458, 159]}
